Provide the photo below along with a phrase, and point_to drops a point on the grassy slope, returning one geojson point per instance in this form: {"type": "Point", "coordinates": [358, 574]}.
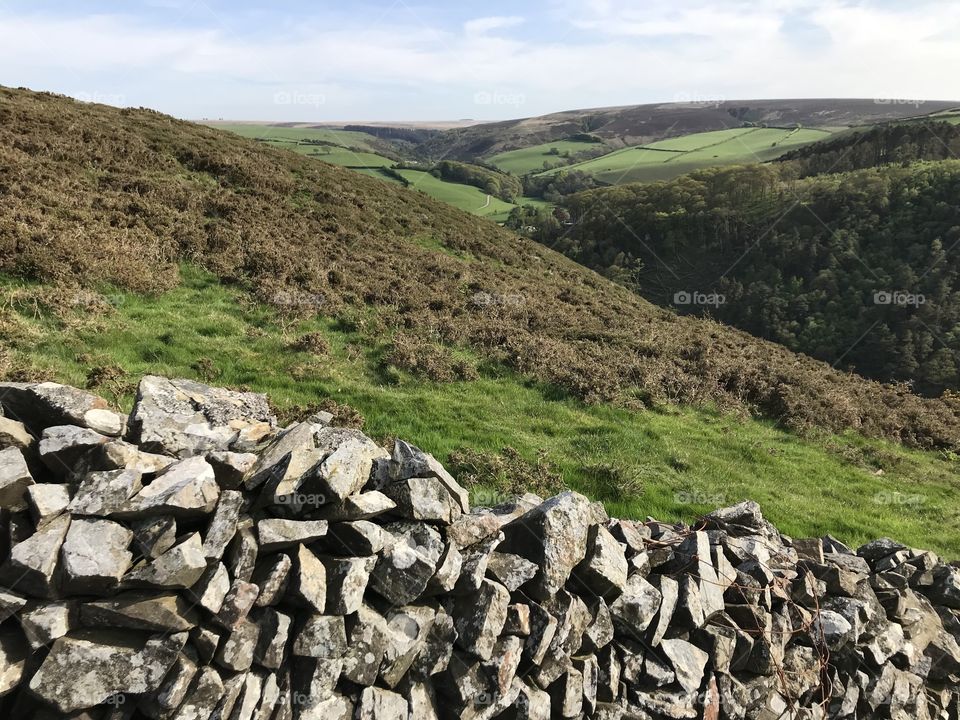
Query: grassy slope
{"type": "Point", "coordinates": [464, 197]}
{"type": "Point", "coordinates": [294, 135]}
{"type": "Point", "coordinates": [671, 158]}
{"type": "Point", "coordinates": [685, 461]}
{"type": "Point", "coordinates": [531, 159]}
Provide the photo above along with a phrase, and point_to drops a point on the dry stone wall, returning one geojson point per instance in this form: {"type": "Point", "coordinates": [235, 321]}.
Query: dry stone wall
{"type": "Point", "coordinates": [193, 560]}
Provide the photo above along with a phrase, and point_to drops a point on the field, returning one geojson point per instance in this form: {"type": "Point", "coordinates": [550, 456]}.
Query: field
{"type": "Point", "coordinates": [348, 158]}
{"type": "Point", "coordinates": [280, 135]}
{"type": "Point", "coordinates": [671, 158]}
{"type": "Point", "coordinates": [672, 464]}
{"type": "Point", "coordinates": [531, 159]}
{"type": "Point", "coordinates": [465, 197]}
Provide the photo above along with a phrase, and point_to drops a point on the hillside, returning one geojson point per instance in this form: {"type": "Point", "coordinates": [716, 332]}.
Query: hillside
{"type": "Point", "coordinates": [818, 264]}
{"type": "Point", "coordinates": [116, 226]}
{"type": "Point", "coordinates": [643, 124]}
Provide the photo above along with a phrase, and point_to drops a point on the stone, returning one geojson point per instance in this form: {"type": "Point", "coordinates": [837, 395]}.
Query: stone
{"type": "Point", "coordinates": [308, 580]}
{"type": "Point", "coordinates": [543, 629]}
{"type": "Point", "coordinates": [237, 604]}
{"type": "Point", "coordinates": [603, 572]}
{"type": "Point", "coordinates": [182, 418]}
{"type": "Point", "coordinates": [242, 551]}
{"type": "Point", "coordinates": [236, 650]}
{"type": "Point", "coordinates": [152, 537]}
{"type": "Point", "coordinates": [10, 604]}
{"type": "Point", "coordinates": [211, 589]}
{"type": "Point", "coordinates": [321, 636]}
{"type": "Point", "coordinates": [359, 538]}
{"type": "Point", "coordinates": [15, 479]}
{"type": "Point", "coordinates": [408, 629]}
{"type": "Point", "coordinates": [379, 704]}
{"type": "Point", "coordinates": [95, 556]}
{"type": "Point", "coordinates": [424, 499]}
{"type": "Point", "coordinates": [105, 493]}
{"type": "Point", "coordinates": [273, 461]}
{"type": "Point", "coordinates": [230, 468]}
{"type": "Point", "coordinates": [688, 662]}
{"type": "Point", "coordinates": [62, 447]}
{"type": "Point", "coordinates": [44, 623]}
{"type": "Point", "coordinates": [347, 467]}
{"type": "Point", "coordinates": [448, 572]}
{"type": "Point", "coordinates": [172, 692]}
{"type": "Point", "coordinates": [511, 571]}
{"type": "Point", "coordinates": [43, 405]}
{"type": "Point", "coordinates": [223, 525]}
{"type": "Point", "coordinates": [347, 580]}
{"type": "Point", "coordinates": [185, 489]}
{"type": "Point", "coordinates": [121, 455]}
{"type": "Point", "coordinates": [566, 694]}
{"type": "Point", "coordinates": [408, 462]}
{"type": "Point", "coordinates": [831, 629]}
{"type": "Point", "coordinates": [474, 562]}
{"type": "Point", "coordinates": [87, 669]}
{"type": "Point", "coordinates": [363, 506]}
{"type": "Point", "coordinates": [14, 652]}
{"type": "Point", "coordinates": [272, 643]}
{"type": "Point", "coordinates": [165, 612]}
{"type": "Point", "coordinates": [32, 565]}
{"type": "Point", "coordinates": [669, 590]}
{"type": "Point", "coordinates": [271, 576]}
{"type": "Point", "coordinates": [178, 568]}
{"type": "Point", "coordinates": [636, 608]}
{"type": "Point", "coordinates": [366, 647]}
{"type": "Point", "coordinates": [14, 434]}
{"type": "Point", "coordinates": [47, 500]}
{"type": "Point", "coordinates": [945, 589]}
{"type": "Point", "coordinates": [479, 619]}
{"type": "Point", "coordinates": [600, 632]}
{"type": "Point", "coordinates": [278, 534]}
{"type": "Point", "coordinates": [518, 620]}
{"type": "Point", "coordinates": [407, 563]}
{"type": "Point", "coordinates": [202, 697]}
{"type": "Point", "coordinates": [554, 537]}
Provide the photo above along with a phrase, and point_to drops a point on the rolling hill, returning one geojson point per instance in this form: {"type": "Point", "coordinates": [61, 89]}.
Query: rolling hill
{"type": "Point", "coordinates": [133, 242]}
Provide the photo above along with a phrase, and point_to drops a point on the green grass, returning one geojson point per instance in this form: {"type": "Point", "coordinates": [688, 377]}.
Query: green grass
{"type": "Point", "coordinates": [531, 159]}
{"type": "Point", "coordinates": [671, 158]}
{"type": "Point", "coordinates": [348, 158]}
{"type": "Point", "coordinates": [465, 197]}
{"type": "Point", "coordinates": [688, 461]}
{"type": "Point", "coordinates": [293, 135]}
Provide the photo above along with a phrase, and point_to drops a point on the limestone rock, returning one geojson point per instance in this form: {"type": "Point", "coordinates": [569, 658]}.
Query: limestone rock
{"type": "Point", "coordinates": [95, 556]}
{"type": "Point", "coordinates": [185, 489]}
{"type": "Point", "coordinates": [43, 405]}
{"type": "Point", "coordinates": [15, 479]}
{"type": "Point", "coordinates": [47, 500]}
{"type": "Point", "coordinates": [180, 567]}
{"type": "Point", "coordinates": [105, 493]}
{"type": "Point", "coordinates": [32, 565]}
{"type": "Point", "coordinates": [688, 662]}
{"type": "Point", "coordinates": [407, 563]}
{"type": "Point", "coordinates": [141, 611]}
{"type": "Point", "coordinates": [14, 434]}
{"type": "Point", "coordinates": [278, 534]}
{"type": "Point", "coordinates": [480, 619]}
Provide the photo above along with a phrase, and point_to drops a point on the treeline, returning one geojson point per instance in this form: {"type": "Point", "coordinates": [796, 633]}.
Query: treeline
{"type": "Point", "coordinates": [859, 269]}
{"type": "Point", "coordinates": [895, 143]}
{"type": "Point", "coordinates": [553, 188]}
{"type": "Point", "coordinates": [493, 182]}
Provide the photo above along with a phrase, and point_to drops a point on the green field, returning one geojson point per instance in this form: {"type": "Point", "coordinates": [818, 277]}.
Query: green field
{"type": "Point", "coordinates": [348, 158]}
{"type": "Point", "coordinates": [279, 134]}
{"type": "Point", "coordinates": [465, 197]}
{"type": "Point", "coordinates": [679, 462]}
{"type": "Point", "coordinates": [671, 158]}
{"type": "Point", "coordinates": [531, 159]}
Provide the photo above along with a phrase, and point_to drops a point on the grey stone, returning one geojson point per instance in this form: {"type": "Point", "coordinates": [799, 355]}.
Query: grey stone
{"type": "Point", "coordinates": [474, 564]}
{"type": "Point", "coordinates": [15, 479]}
{"type": "Point", "coordinates": [47, 500]}
{"type": "Point", "coordinates": [636, 608]}
{"type": "Point", "coordinates": [95, 556]}
{"type": "Point", "coordinates": [278, 534]}
{"type": "Point", "coordinates": [347, 580]}
{"type": "Point", "coordinates": [832, 629]}
{"type": "Point", "coordinates": [236, 650]}
{"type": "Point", "coordinates": [43, 405]}
{"type": "Point", "coordinates": [164, 612]}
{"type": "Point", "coordinates": [321, 636]}
{"type": "Point", "coordinates": [347, 468]}
{"type": "Point", "coordinates": [61, 447]}
{"type": "Point", "coordinates": [43, 623]}
{"type": "Point", "coordinates": [554, 537]}
{"type": "Point", "coordinates": [237, 604]}
{"type": "Point", "coordinates": [182, 418]}
{"type": "Point", "coordinates": [424, 499]}
{"type": "Point", "coordinates": [105, 493]}
{"type": "Point", "coordinates": [688, 662]}
{"type": "Point", "coordinates": [14, 434]}
{"type": "Point", "coordinates": [272, 464]}
{"type": "Point", "coordinates": [89, 668]}
{"type": "Point", "coordinates": [510, 570]}
{"type": "Point", "coordinates": [366, 648]}
{"type": "Point", "coordinates": [603, 572]}
{"type": "Point", "coordinates": [32, 565]}
{"type": "Point", "coordinates": [179, 567]}
{"type": "Point", "coordinates": [185, 489]}
{"type": "Point", "coordinates": [172, 691]}
{"type": "Point", "coordinates": [211, 589]}
{"type": "Point", "coordinates": [14, 652]}
{"type": "Point", "coordinates": [10, 604]}
{"type": "Point", "coordinates": [242, 551]}
{"type": "Point", "coordinates": [359, 538]}
{"type": "Point", "coordinates": [308, 580]}
{"type": "Point", "coordinates": [121, 455]}
{"type": "Point", "coordinates": [479, 619]}
{"type": "Point", "coordinates": [408, 462]}
{"type": "Point", "coordinates": [362, 506]}
{"type": "Point", "coordinates": [272, 644]}
{"type": "Point", "coordinates": [152, 537]}
{"type": "Point", "coordinates": [202, 697]}
{"type": "Point", "coordinates": [230, 468]}
{"type": "Point", "coordinates": [272, 577]}
{"type": "Point", "coordinates": [379, 704]}
{"type": "Point", "coordinates": [223, 524]}
{"type": "Point", "coordinates": [407, 563]}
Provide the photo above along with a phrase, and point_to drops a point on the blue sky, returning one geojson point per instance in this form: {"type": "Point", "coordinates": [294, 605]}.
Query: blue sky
{"type": "Point", "coordinates": [432, 60]}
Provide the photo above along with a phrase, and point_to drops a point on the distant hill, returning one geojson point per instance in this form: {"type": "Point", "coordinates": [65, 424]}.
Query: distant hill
{"type": "Point", "coordinates": [641, 124]}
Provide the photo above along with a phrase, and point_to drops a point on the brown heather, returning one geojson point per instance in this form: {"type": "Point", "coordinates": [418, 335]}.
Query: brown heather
{"type": "Point", "coordinates": [94, 196]}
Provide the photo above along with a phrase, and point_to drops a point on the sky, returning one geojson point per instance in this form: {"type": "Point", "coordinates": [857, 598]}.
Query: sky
{"type": "Point", "coordinates": [445, 60]}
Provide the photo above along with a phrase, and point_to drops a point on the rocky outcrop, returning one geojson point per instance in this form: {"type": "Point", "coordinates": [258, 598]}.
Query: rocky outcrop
{"type": "Point", "coordinates": [197, 561]}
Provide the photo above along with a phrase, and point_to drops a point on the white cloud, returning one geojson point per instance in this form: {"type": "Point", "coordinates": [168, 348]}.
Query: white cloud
{"type": "Point", "coordinates": [615, 52]}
